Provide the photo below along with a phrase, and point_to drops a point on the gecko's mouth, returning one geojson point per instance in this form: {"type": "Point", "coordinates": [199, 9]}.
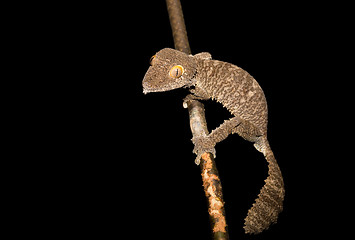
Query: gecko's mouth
{"type": "Point", "coordinates": [147, 90]}
{"type": "Point", "coordinates": [149, 87]}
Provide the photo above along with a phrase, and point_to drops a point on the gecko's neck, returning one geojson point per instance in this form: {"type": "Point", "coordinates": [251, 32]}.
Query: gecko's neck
{"type": "Point", "coordinates": [201, 73]}
{"type": "Point", "coordinates": [205, 75]}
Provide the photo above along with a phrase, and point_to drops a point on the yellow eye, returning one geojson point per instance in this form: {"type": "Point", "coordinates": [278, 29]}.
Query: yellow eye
{"type": "Point", "coordinates": [151, 60]}
{"type": "Point", "coordinates": [176, 71]}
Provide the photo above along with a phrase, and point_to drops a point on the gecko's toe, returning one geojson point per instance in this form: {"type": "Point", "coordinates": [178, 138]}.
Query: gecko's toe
{"type": "Point", "coordinates": [199, 156]}
{"type": "Point", "coordinates": [202, 145]}
{"type": "Point", "coordinates": [198, 159]}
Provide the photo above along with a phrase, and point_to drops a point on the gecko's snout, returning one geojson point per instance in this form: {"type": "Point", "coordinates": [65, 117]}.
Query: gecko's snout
{"type": "Point", "coordinates": [151, 82]}
{"type": "Point", "coordinates": [146, 86]}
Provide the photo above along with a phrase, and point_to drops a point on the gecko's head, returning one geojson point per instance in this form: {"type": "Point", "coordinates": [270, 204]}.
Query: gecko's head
{"type": "Point", "coordinates": [170, 69]}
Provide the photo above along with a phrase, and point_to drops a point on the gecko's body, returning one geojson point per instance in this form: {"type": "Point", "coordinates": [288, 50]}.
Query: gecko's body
{"type": "Point", "coordinates": [238, 92]}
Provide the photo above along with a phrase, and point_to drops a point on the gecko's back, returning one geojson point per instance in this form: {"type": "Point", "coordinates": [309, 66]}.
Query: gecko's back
{"type": "Point", "coordinates": [236, 90]}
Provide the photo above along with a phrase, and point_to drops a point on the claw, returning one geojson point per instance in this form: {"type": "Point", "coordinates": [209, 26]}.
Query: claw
{"type": "Point", "coordinates": [186, 100]}
{"type": "Point", "coordinates": [198, 159]}
{"type": "Point", "coordinates": [202, 145]}
{"type": "Point", "coordinates": [199, 156]}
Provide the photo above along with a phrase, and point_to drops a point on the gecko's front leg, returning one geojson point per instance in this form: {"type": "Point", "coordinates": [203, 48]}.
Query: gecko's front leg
{"type": "Point", "coordinates": [202, 145]}
{"type": "Point", "coordinates": [196, 94]}
{"type": "Point", "coordinates": [207, 143]}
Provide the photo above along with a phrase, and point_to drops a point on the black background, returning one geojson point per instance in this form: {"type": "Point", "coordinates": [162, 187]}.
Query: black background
{"type": "Point", "coordinates": [122, 162]}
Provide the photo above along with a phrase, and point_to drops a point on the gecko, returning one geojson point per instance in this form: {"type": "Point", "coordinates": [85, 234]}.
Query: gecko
{"type": "Point", "coordinates": [243, 97]}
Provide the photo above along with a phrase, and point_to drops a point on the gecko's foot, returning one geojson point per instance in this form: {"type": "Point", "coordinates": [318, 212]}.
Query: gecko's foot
{"type": "Point", "coordinates": [188, 99]}
{"type": "Point", "coordinates": [202, 145]}
{"type": "Point", "coordinates": [191, 97]}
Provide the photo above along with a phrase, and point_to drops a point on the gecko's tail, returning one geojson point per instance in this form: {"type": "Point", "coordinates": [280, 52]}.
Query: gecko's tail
{"type": "Point", "coordinates": [269, 203]}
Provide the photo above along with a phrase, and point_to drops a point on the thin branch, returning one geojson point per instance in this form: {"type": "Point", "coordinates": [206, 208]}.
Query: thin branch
{"type": "Point", "coordinates": [210, 178]}
{"type": "Point", "coordinates": [177, 23]}
{"type": "Point", "coordinates": [211, 181]}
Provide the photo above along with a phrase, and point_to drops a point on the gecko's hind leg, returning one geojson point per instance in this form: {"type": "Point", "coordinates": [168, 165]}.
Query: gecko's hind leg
{"type": "Point", "coordinates": [248, 131]}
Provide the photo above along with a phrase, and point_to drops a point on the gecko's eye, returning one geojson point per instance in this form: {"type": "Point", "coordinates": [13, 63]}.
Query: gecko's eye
{"type": "Point", "coordinates": [151, 60]}
{"type": "Point", "coordinates": [176, 71]}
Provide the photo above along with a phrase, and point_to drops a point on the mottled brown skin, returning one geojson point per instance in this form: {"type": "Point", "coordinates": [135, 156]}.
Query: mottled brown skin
{"type": "Point", "coordinates": [241, 95]}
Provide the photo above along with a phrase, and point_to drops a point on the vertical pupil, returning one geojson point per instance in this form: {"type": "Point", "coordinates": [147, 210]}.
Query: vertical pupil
{"type": "Point", "coordinates": [176, 71]}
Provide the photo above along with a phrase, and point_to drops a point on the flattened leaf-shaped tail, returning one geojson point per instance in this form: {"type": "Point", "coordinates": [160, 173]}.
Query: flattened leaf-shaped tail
{"type": "Point", "coordinates": [269, 203]}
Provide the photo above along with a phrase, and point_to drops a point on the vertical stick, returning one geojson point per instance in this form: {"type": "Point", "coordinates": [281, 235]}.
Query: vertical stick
{"type": "Point", "coordinates": [210, 178]}
{"type": "Point", "coordinates": [177, 23]}
{"type": "Point", "coordinates": [211, 182]}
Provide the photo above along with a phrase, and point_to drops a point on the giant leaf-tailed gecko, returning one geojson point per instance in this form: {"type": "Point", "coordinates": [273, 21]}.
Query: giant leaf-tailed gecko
{"type": "Point", "coordinates": [242, 96]}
